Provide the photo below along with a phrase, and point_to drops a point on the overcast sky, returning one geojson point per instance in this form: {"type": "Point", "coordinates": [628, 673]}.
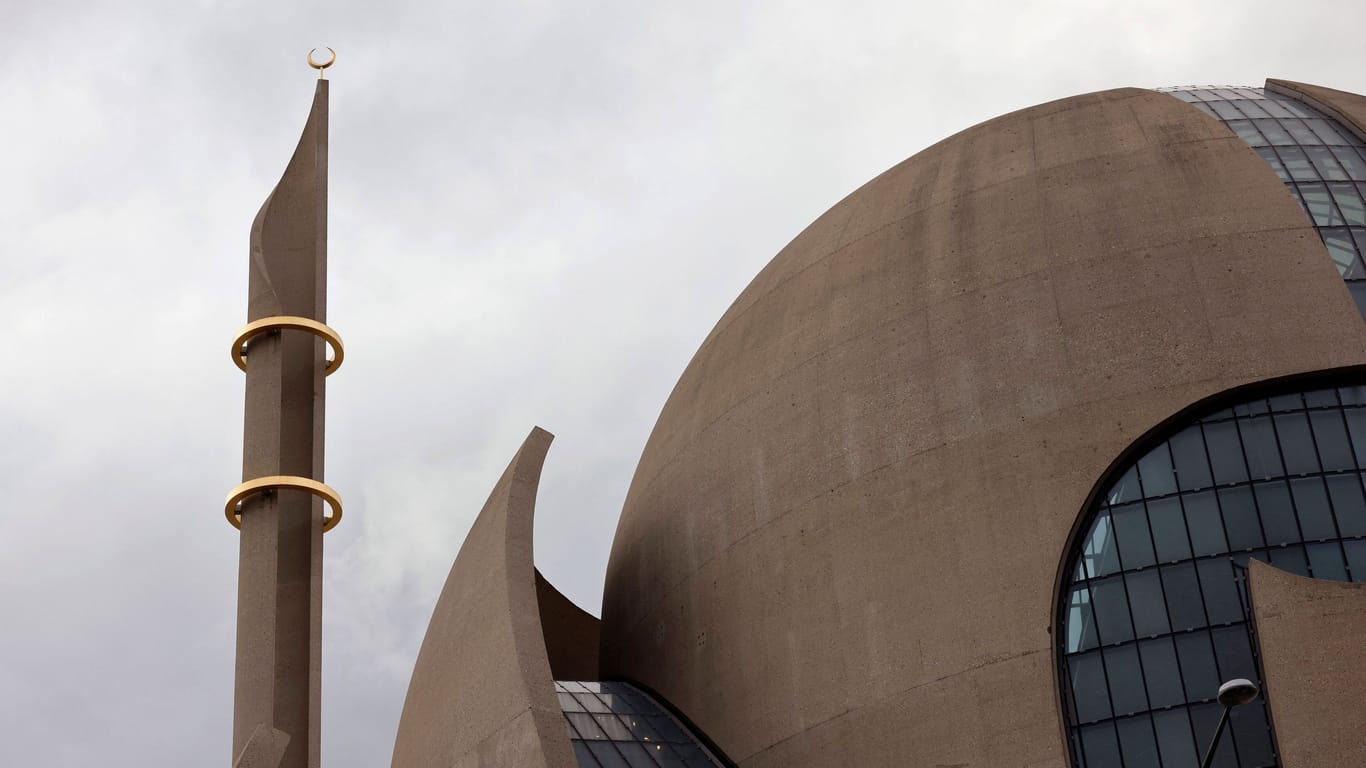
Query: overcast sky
{"type": "Point", "coordinates": [538, 211]}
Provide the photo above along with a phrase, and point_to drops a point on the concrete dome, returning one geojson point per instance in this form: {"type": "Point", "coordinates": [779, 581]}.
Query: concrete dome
{"type": "Point", "coordinates": [844, 535]}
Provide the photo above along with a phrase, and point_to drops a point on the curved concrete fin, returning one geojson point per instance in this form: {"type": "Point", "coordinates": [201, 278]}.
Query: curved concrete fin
{"type": "Point", "coordinates": [482, 692]}
{"type": "Point", "coordinates": [1348, 108]}
{"type": "Point", "coordinates": [572, 635]}
{"type": "Point", "coordinates": [1309, 634]}
{"type": "Point", "coordinates": [289, 234]}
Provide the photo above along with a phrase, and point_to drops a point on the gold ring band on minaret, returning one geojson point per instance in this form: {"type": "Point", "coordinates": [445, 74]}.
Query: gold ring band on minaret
{"type": "Point", "coordinates": [288, 322]}
{"type": "Point", "coordinates": [272, 482]}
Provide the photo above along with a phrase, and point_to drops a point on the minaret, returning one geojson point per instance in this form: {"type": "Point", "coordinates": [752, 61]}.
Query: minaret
{"type": "Point", "coordinates": [279, 507]}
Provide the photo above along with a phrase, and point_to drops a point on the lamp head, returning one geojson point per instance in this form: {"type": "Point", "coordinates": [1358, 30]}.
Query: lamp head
{"type": "Point", "coordinates": [1235, 692]}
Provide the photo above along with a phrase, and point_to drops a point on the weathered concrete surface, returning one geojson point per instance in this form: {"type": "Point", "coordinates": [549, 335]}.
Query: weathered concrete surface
{"type": "Point", "coordinates": [265, 749]}
{"type": "Point", "coordinates": [482, 693]}
{"type": "Point", "coordinates": [1348, 108]}
{"type": "Point", "coordinates": [571, 634]}
{"type": "Point", "coordinates": [842, 543]}
{"type": "Point", "coordinates": [279, 592]}
{"type": "Point", "coordinates": [1312, 637]}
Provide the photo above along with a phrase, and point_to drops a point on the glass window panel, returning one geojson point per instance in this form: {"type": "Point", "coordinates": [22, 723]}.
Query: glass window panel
{"type": "Point", "coordinates": [1276, 109]}
{"type": "Point", "coordinates": [1197, 666]}
{"type": "Point", "coordinates": [1349, 507]}
{"type": "Point", "coordinates": [1297, 164]}
{"type": "Point", "coordinates": [1168, 524]}
{"type": "Point", "coordinates": [1139, 742]}
{"type": "Point", "coordinates": [1081, 622]}
{"type": "Point", "coordinates": [1325, 561]}
{"type": "Point", "coordinates": [1161, 673]}
{"type": "Point", "coordinates": [1355, 551]}
{"type": "Point", "coordinates": [584, 755]}
{"type": "Point", "coordinates": [607, 755]}
{"type": "Point", "coordinates": [1342, 250]}
{"type": "Point", "coordinates": [1352, 162]}
{"type": "Point", "coordinates": [1100, 553]}
{"type": "Point", "coordinates": [693, 756]}
{"type": "Point", "coordinates": [1131, 530]}
{"type": "Point", "coordinates": [1311, 506]}
{"type": "Point", "coordinates": [1101, 746]}
{"type": "Point", "coordinates": [1252, 734]}
{"type": "Point", "coordinates": [1247, 132]}
{"type": "Point", "coordinates": [1320, 205]}
{"type": "Point", "coordinates": [1225, 94]}
{"type": "Point", "coordinates": [1146, 604]}
{"type": "Point", "coordinates": [1155, 471]}
{"type": "Point", "coordinates": [1251, 93]}
{"type": "Point", "coordinates": [1248, 108]}
{"type": "Point", "coordinates": [1225, 110]}
{"type": "Point", "coordinates": [613, 727]}
{"type": "Point", "coordinates": [667, 757]}
{"type": "Point", "coordinates": [1352, 395]}
{"type": "Point", "coordinates": [667, 729]}
{"type": "Point", "coordinates": [1348, 198]}
{"type": "Point", "coordinates": [1329, 134]}
{"type": "Point", "coordinates": [1269, 155]}
{"type": "Point", "coordinates": [1295, 108]}
{"type": "Point", "coordinates": [1203, 107]}
{"type": "Point", "coordinates": [1205, 719]}
{"type": "Point", "coordinates": [1297, 447]}
{"type": "Point", "coordinates": [1174, 738]}
{"type": "Point", "coordinates": [1188, 453]}
{"type": "Point", "coordinates": [1321, 398]}
{"type": "Point", "coordinates": [592, 703]}
{"type": "Point", "coordinates": [1126, 680]}
{"type": "Point", "coordinates": [1202, 520]}
{"type": "Point", "coordinates": [1183, 596]}
{"type": "Point", "coordinates": [1290, 559]}
{"type": "Point", "coordinates": [1330, 437]}
{"type": "Point", "coordinates": [1112, 610]}
{"type": "Point", "coordinates": [1326, 163]}
{"type": "Point", "coordinates": [1259, 442]}
{"type": "Point", "coordinates": [1222, 601]}
{"type": "Point", "coordinates": [1185, 96]}
{"type": "Point", "coordinates": [1126, 489]}
{"type": "Point", "coordinates": [568, 703]}
{"type": "Point", "coordinates": [585, 725]}
{"type": "Point", "coordinates": [1278, 517]}
{"type": "Point", "coordinates": [1225, 453]}
{"type": "Point", "coordinates": [1291, 402]}
{"type": "Point", "coordinates": [1274, 132]}
{"type": "Point", "coordinates": [1356, 429]}
{"type": "Point", "coordinates": [1233, 651]}
{"type": "Point", "coordinates": [1240, 518]}
{"type": "Point", "coordinates": [1299, 131]}
{"type": "Point", "coordinates": [636, 755]}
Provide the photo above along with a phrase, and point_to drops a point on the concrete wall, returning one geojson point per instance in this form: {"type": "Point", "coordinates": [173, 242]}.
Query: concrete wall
{"type": "Point", "coordinates": [482, 693]}
{"type": "Point", "coordinates": [843, 539]}
{"type": "Point", "coordinates": [1312, 637]}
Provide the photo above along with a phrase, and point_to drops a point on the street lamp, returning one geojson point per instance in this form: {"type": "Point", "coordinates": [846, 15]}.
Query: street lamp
{"type": "Point", "coordinates": [1231, 694]}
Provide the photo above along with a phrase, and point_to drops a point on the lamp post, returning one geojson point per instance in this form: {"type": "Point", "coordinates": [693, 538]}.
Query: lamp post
{"type": "Point", "coordinates": [1231, 694]}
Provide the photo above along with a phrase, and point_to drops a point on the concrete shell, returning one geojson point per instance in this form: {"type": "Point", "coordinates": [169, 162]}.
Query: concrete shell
{"type": "Point", "coordinates": [1310, 633]}
{"type": "Point", "coordinates": [482, 692]}
{"type": "Point", "coordinates": [842, 541]}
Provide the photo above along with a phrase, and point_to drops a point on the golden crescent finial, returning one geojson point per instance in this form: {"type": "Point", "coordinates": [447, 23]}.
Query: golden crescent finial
{"type": "Point", "coordinates": [323, 65]}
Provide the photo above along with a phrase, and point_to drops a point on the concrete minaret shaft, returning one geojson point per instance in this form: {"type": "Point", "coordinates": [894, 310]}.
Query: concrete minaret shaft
{"type": "Point", "coordinates": [281, 515]}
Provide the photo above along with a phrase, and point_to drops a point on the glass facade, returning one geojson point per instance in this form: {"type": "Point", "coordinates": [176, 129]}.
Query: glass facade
{"type": "Point", "coordinates": [1155, 614]}
{"type": "Point", "coordinates": [615, 725]}
{"type": "Point", "coordinates": [1321, 161]}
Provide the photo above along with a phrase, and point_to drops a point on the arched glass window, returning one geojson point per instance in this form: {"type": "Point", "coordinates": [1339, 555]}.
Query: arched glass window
{"type": "Point", "coordinates": [1155, 612]}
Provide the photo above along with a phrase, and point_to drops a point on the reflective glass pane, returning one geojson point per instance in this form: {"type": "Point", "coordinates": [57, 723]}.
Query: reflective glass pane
{"type": "Point", "coordinates": [1247, 132]}
{"type": "Point", "coordinates": [1342, 250]}
{"type": "Point", "coordinates": [1168, 523]}
{"type": "Point", "coordinates": [1241, 523]}
{"type": "Point", "coordinates": [1233, 651]}
{"type": "Point", "coordinates": [1100, 553]}
{"type": "Point", "coordinates": [1330, 437]}
{"type": "Point", "coordinates": [1184, 606]}
{"type": "Point", "coordinates": [1222, 602]}
{"type": "Point", "coordinates": [1126, 489]}
{"type": "Point", "coordinates": [1262, 451]}
{"type": "Point", "coordinates": [1204, 523]}
{"type": "Point", "coordinates": [1101, 746]}
{"type": "Point", "coordinates": [1111, 608]}
{"type": "Point", "coordinates": [1352, 162]}
{"type": "Point", "coordinates": [1326, 133]}
{"type": "Point", "coordinates": [1320, 205]}
{"type": "Point", "coordinates": [1325, 561]}
{"type": "Point", "coordinates": [1081, 623]}
{"type": "Point", "coordinates": [1225, 452]}
{"type": "Point", "coordinates": [1278, 516]}
{"type": "Point", "coordinates": [1205, 719]}
{"type": "Point", "coordinates": [1131, 531]}
{"type": "Point", "coordinates": [1126, 680]}
{"type": "Point", "coordinates": [1269, 155]}
{"type": "Point", "coordinates": [1155, 472]}
{"type": "Point", "coordinates": [1348, 200]}
{"type": "Point", "coordinates": [1290, 559]}
{"type": "Point", "coordinates": [1299, 132]}
{"type": "Point", "coordinates": [1355, 551]}
{"type": "Point", "coordinates": [1188, 454]}
{"type": "Point", "coordinates": [1160, 672]}
{"type": "Point", "coordinates": [1297, 446]}
{"type": "Point", "coordinates": [607, 755]}
{"type": "Point", "coordinates": [1311, 506]}
{"type": "Point", "coordinates": [1197, 666]}
{"type": "Point", "coordinates": [1349, 506]}
{"type": "Point", "coordinates": [1326, 163]}
{"type": "Point", "coordinates": [1297, 164]}
{"type": "Point", "coordinates": [1146, 603]}
{"type": "Point", "coordinates": [1174, 738]}
{"type": "Point", "coordinates": [1252, 734]}
{"type": "Point", "coordinates": [1138, 742]}
{"type": "Point", "coordinates": [1274, 132]}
